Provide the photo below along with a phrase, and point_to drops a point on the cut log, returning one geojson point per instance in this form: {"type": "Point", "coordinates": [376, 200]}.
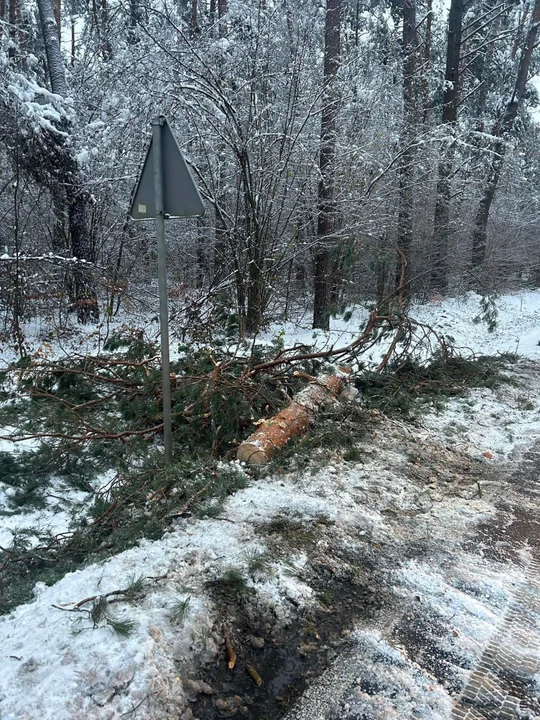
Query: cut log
{"type": "Point", "coordinates": [272, 435]}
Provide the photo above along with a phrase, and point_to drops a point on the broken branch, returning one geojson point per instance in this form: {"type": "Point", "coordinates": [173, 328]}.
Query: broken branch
{"type": "Point", "coordinates": [231, 655]}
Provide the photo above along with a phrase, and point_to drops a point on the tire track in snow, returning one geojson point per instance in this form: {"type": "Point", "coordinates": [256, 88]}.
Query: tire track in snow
{"type": "Point", "coordinates": [503, 686]}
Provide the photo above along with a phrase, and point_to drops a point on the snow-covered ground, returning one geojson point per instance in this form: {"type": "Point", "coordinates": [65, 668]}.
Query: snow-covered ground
{"type": "Point", "coordinates": [426, 485]}
{"type": "Point", "coordinates": [56, 665]}
{"type": "Point", "coordinates": [517, 329]}
{"type": "Point", "coordinates": [490, 423]}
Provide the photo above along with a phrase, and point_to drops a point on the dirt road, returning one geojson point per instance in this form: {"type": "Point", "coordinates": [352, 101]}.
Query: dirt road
{"type": "Point", "coordinates": [387, 669]}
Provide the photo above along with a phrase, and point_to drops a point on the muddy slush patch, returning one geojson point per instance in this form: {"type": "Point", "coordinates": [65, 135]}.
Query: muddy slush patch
{"type": "Point", "coordinates": [420, 633]}
{"type": "Point", "coordinates": [292, 656]}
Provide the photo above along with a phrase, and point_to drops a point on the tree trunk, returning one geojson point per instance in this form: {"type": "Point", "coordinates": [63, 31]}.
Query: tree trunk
{"type": "Point", "coordinates": [221, 265]}
{"type": "Point", "coordinates": [427, 60]}
{"type": "Point", "coordinates": [194, 23]}
{"type": "Point", "coordinates": [134, 20]}
{"type": "Point", "coordinates": [82, 248]}
{"type": "Point", "coordinates": [106, 47]}
{"type": "Point", "coordinates": [406, 164]}
{"type": "Point", "coordinates": [2, 16]}
{"type": "Point", "coordinates": [14, 25]}
{"type": "Point", "coordinates": [274, 434]}
{"type": "Point", "coordinates": [202, 263]}
{"type": "Point", "coordinates": [221, 269]}
{"type": "Point", "coordinates": [57, 9]}
{"type": "Point", "coordinates": [502, 128]}
{"type": "Point", "coordinates": [73, 46]}
{"type": "Point", "coordinates": [55, 62]}
{"type": "Point", "coordinates": [256, 300]}
{"type": "Point", "coordinates": [65, 182]}
{"type": "Point", "coordinates": [485, 66]}
{"type": "Point", "coordinates": [257, 294]}
{"type": "Point", "coordinates": [222, 9]}
{"type": "Point", "coordinates": [441, 222]}
{"type": "Point", "coordinates": [327, 160]}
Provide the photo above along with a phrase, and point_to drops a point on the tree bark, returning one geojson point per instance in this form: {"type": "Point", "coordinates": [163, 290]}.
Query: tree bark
{"type": "Point", "coordinates": [106, 47]}
{"type": "Point", "coordinates": [55, 62]}
{"type": "Point", "coordinates": [441, 222]}
{"type": "Point", "coordinates": [73, 45]}
{"type": "Point", "coordinates": [427, 60]}
{"type": "Point", "coordinates": [485, 65]}
{"type": "Point", "coordinates": [257, 286]}
{"type": "Point", "coordinates": [14, 26]}
{"type": "Point", "coordinates": [501, 130]}
{"type": "Point", "coordinates": [406, 164]}
{"type": "Point", "coordinates": [134, 20]}
{"type": "Point", "coordinates": [221, 265]}
{"type": "Point", "coordinates": [274, 434]}
{"type": "Point", "coordinates": [327, 159]}
{"type": "Point", "coordinates": [222, 9]}
{"type": "Point", "coordinates": [64, 179]}
{"type": "Point", "coordinates": [2, 16]}
{"type": "Point", "coordinates": [57, 8]}
{"type": "Point", "coordinates": [194, 23]}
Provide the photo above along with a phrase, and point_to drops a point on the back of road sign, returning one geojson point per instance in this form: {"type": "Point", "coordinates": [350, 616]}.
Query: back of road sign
{"type": "Point", "coordinates": [180, 195]}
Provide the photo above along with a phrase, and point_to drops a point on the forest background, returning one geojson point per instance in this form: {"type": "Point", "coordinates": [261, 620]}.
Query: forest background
{"type": "Point", "coordinates": [346, 151]}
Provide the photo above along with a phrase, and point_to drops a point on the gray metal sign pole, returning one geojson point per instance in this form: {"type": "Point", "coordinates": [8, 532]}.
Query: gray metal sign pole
{"type": "Point", "coordinates": [157, 126]}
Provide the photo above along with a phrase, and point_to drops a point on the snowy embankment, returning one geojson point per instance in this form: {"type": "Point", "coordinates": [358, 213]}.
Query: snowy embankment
{"type": "Point", "coordinates": [414, 486]}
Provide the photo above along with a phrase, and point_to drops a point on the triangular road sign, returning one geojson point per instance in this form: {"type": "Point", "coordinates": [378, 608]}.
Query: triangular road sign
{"type": "Point", "coordinates": [180, 195]}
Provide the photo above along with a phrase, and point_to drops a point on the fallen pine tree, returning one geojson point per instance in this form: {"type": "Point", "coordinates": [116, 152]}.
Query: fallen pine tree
{"type": "Point", "coordinates": [90, 415]}
{"type": "Point", "coordinates": [294, 420]}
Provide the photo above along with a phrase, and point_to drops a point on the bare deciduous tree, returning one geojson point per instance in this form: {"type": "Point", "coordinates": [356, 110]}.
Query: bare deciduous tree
{"type": "Point", "coordinates": [501, 132]}
{"type": "Point", "coordinates": [407, 152]}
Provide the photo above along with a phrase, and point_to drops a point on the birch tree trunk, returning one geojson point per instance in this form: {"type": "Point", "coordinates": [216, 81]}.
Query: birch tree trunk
{"type": "Point", "coordinates": [327, 160]}
{"type": "Point", "coordinates": [501, 130]}
{"type": "Point", "coordinates": [441, 222]}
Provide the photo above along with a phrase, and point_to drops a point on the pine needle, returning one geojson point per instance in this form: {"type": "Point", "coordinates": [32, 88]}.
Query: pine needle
{"type": "Point", "coordinates": [180, 609]}
{"type": "Point", "coordinates": [98, 610]}
{"type": "Point", "coordinates": [134, 588]}
{"type": "Point", "coordinates": [123, 627]}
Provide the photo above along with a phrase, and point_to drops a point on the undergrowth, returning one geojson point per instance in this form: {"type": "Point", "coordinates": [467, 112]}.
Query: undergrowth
{"type": "Point", "coordinates": [406, 388]}
{"type": "Point", "coordinates": [89, 415]}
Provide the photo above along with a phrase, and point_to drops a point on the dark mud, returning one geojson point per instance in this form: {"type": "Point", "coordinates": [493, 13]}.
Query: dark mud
{"type": "Point", "coordinates": [293, 655]}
